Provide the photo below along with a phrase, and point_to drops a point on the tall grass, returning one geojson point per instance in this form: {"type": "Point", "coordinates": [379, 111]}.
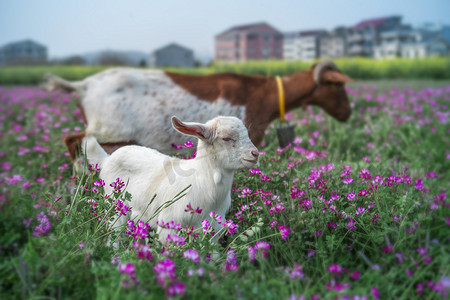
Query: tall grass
{"type": "Point", "coordinates": [359, 68]}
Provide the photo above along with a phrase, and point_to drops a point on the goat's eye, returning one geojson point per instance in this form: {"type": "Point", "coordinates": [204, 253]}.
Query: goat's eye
{"type": "Point", "coordinates": [227, 139]}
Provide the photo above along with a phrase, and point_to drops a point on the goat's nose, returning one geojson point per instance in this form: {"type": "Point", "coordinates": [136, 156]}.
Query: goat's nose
{"type": "Point", "coordinates": [255, 153]}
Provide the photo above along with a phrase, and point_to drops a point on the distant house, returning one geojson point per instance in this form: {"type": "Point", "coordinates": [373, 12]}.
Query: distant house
{"type": "Point", "coordinates": [172, 55]}
{"type": "Point", "coordinates": [333, 44]}
{"type": "Point", "coordinates": [430, 46]}
{"type": "Point", "coordinates": [392, 41]}
{"type": "Point", "coordinates": [362, 38]}
{"type": "Point", "coordinates": [249, 42]}
{"type": "Point", "coordinates": [25, 52]}
{"type": "Point", "coordinates": [302, 45]}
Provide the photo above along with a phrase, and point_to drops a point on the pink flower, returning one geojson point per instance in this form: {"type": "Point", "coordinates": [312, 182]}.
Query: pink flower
{"type": "Point", "coordinates": [230, 262]}
{"type": "Point", "coordinates": [143, 251]}
{"type": "Point", "coordinates": [375, 292]}
{"type": "Point", "coordinates": [296, 272]}
{"type": "Point", "coordinates": [176, 289]}
{"type": "Point", "coordinates": [206, 226]}
{"type": "Point", "coordinates": [355, 275]}
{"type": "Point", "coordinates": [347, 180]}
{"type": "Point", "coordinates": [229, 226]}
{"type": "Point", "coordinates": [130, 270]}
{"type": "Point", "coordinates": [335, 269]}
{"type": "Point", "coordinates": [251, 253]}
{"type": "Point", "coordinates": [177, 240]}
{"type": "Point", "coordinates": [189, 209]}
{"type": "Point", "coordinates": [215, 217]}
{"type": "Point", "coordinates": [165, 272]}
{"type": "Point", "coordinates": [351, 196]}
{"type": "Point", "coordinates": [364, 173]}
{"type": "Point", "coordinates": [192, 255]}
{"type": "Point", "coordinates": [284, 231]}
{"type": "Point", "coordinates": [188, 144]}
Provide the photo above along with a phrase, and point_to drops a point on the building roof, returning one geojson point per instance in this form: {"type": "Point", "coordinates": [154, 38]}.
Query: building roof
{"type": "Point", "coordinates": [305, 33]}
{"type": "Point", "coordinates": [18, 43]}
{"type": "Point", "coordinates": [247, 28]}
{"type": "Point", "coordinates": [374, 22]}
{"type": "Point", "coordinates": [172, 45]}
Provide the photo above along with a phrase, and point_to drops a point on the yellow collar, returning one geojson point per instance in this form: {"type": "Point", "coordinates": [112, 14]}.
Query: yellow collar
{"type": "Point", "coordinates": [281, 98]}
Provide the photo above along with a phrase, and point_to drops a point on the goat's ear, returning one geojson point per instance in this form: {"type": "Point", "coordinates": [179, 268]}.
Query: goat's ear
{"type": "Point", "coordinates": [333, 76]}
{"type": "Point", "coordinates": [198, 130]}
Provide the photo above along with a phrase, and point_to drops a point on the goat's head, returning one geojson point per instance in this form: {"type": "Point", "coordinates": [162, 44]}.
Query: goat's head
{"type": "Point", "coordinates": [330, 93]}
{"type": "Point", "coordinates": [226, 140]}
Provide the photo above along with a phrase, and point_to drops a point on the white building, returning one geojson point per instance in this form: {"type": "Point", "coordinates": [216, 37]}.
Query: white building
{"type": "Point", "coordinates": [303, 45]}
{"type": "Point", "coordinates": [436, 46]}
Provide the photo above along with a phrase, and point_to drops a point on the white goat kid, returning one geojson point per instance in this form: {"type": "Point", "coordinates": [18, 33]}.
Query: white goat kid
{"type": "Point", "coordinates": [223, 147]}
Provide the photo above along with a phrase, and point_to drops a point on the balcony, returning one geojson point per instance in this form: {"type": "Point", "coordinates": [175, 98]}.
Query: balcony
{"type": "Point", "coordinates": [355, 37]}
{"type": "Point", "coordinates": [355, 50]}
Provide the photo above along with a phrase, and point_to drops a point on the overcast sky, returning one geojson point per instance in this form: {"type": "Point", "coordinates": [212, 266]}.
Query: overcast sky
{"type": "Point", "coordinates": [80, 26]}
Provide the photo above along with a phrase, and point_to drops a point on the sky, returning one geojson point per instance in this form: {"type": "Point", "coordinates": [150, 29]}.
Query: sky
{"type": "Point", "coordinates": [83, 26]}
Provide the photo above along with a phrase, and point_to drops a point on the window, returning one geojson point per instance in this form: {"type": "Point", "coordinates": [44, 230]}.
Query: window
{"type": "Point", "coordinates": [252, 37]}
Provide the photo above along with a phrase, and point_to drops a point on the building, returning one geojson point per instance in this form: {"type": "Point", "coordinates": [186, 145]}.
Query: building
{"type": "Point", "coordinates": [392, 41]}
{"type": "Point", "coordinates": [333, 44]}
{"type": "Point", "coordinates": [25, 52]}
{"type": "Point", "coordinates": [172, 55]}
{"type": "Point", "coordinates": [362, 38]}
{"type": "Point", "coordinates": [249, 42]}
{"type": "Point", "coordinates": [302, 45]}
{"type": "Point", "coordinates": [425, 47]}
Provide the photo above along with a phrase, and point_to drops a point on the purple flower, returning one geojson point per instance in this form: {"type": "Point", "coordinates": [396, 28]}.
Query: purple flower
{"type": "Point", "coordinates": [143, 251]}
{"type": "Point", "coordinates": [139, 231]}
{"type": "Point", "coordinates": [188, 144]}
{"type": "Point", "coordinates": [335, 269]}
{"type": "Point", "coordinates": [351, 196]}
{"type": "Point", "coordinates": [176, 289]}
{"type": "Point", "coordinates": [43, 226]}
{"type": "Point", "coordinates": [255, 172]}
{"type": "Point", "coordinates": [191, 210]}
{"type": "Point", "coordinates": [206, 226]}
{"type": "Point", "coordinates": [117, 185]}
{"type": "Point", "coordinates": [350, 224]}
{"type": "Point", "coordinates": [251, 253]}
{"type": "Point", "coordinates": [230, 262]}
{"type": "Point", "coordinates": [165, 272]}
{"type": "Point", "coordinates": [168, 225]}
{"type": "Point", "coordinates": [336, 286]}
{"type": "Point", "coordinates": [192, 255]}
{"type": "Point", "coordinates": [177, 240]}
{"type": "Point", "coordinates": [215, 217]}
{"type": "Point", "coordinates": [296, 272]}
{"type": "Point", "coordinates": [27, 222]}
{"type": "Point", "coordinates": [355, 275]}
{"type": "Point", "coordinates": [260, 247]}
{"type": "Point", "coordinates": [229, 226]}
{"type": "Point", "coordinates": [364, 173]}
{"type": "Point", "coordinates": [360, 210]}
{"type": "Point", "coordinates": [375, 292]}
{"type": "Point", "coordinates": [130, 270]}
{"type": "Point", "coordinates": [347, 180]}
{"type": "Point", "coordinates": [284, 231]}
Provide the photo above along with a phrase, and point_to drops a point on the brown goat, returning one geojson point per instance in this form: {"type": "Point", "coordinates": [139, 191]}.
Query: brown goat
{"type": "Point", "coordinates": [131, 106]}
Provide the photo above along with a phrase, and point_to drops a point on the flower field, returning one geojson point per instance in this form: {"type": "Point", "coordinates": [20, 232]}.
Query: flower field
{"type": "Point", "coordinates": [356, 210]}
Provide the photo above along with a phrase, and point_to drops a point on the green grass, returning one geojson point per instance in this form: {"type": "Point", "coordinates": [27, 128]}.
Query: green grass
{"type": "Point", "coordinates": [358, 68]}
{"type": "Point", "coordinates": [397, 248]}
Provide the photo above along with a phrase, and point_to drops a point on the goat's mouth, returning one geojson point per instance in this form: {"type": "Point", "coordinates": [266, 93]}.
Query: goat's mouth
{"type": "Point", "coordinates": [343, 117]}
{"type": "Point", "coordinates": [251, 161]}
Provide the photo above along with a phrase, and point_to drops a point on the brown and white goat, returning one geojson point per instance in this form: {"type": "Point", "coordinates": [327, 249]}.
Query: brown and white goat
{"type": "Point", "coordinates": [132, 106]}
